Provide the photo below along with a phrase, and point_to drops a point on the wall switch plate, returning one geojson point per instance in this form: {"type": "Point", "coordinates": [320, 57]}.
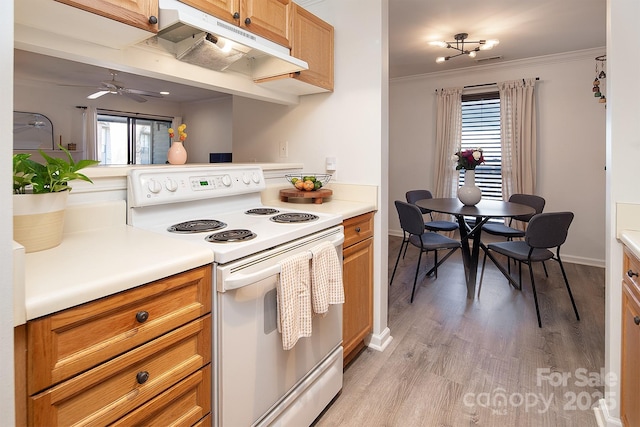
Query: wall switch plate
{"type": "Point", "coordinates": [331, 163]}
{"type": "Point", "coordinates": [283, 149]}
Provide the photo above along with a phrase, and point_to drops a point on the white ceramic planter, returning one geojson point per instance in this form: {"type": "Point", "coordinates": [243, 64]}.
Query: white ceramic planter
{"type": "Point", "coordinates": [38, 220]}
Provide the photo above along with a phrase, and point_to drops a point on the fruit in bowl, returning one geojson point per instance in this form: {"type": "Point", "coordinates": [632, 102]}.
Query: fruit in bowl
{"type": "Point", "coordinates": [308, 182]}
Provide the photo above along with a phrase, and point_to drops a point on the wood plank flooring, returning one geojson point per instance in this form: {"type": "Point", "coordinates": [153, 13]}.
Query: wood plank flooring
{"type": "Point", "coordinates": [456, 362]}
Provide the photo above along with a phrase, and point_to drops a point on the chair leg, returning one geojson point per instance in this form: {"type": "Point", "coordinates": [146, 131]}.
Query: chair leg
{"type": "Point", "coordinates": [484, 262]}
{"type": "Point", "coordinates": [566, 282]}
{"type": "Point", "coordinates": [439, 263]}
{"type": "Point", "coordinates": [545, 269]}
{"type": "Point", "coordinates": [404, 241]}
{"type": "Point", "coordinates": [415, 279]}
{"type": "Point", "coordinates": [535, 295]}
{"type": "Point", "coordinates": [435, 262]}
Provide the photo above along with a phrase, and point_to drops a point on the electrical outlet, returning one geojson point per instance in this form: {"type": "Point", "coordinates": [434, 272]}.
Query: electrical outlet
{"type": "Point", "coordinates": [284, 149]}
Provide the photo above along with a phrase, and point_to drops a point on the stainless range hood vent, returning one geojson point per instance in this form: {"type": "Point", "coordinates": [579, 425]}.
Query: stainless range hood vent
{"type": "Point", "coordinates": [206, 41]}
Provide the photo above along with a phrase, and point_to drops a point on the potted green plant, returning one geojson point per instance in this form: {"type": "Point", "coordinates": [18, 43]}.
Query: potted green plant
{"type": "Point", "coordinates": [40, 197]}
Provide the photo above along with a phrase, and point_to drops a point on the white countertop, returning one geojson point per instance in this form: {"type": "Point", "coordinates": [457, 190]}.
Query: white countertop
{"type": "Point", "coordinates": [91, 264]}
{"type": "Point", "coordinates": [631, 238]}
{"type": "Point", "coordinates": [101, 256]}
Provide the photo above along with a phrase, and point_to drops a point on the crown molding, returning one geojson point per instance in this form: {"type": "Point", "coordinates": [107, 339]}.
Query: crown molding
{"type": "Point", "coordinates": [556, 58]}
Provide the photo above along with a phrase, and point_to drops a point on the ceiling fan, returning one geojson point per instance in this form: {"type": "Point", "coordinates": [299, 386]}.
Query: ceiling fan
{"type": "Point", "coordinates": [118, 88]}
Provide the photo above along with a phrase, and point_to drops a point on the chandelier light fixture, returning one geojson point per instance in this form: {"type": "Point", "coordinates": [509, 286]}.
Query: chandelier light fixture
{"type": "Point", "coordinates": [459, 46]}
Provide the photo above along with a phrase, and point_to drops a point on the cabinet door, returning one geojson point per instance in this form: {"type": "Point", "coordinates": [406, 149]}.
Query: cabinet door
{"type": "Point", "coordinates": [357, 311]}
{"type": "Point", "coordinates": [630, 378]}
{"type": "Point", "coordinates": [312, 41]}
{"type": "Point", "coordinates": [187, 403]}
{"type": "Point", "coordinates": [270, 19]}
{"type": "Point", "coordinates": [630, 369]}
{"type": "Point", "coordinates": [227, 10]}
{"type": "Point", "coordinates": [82, 337]}
{"type": "Point", "coordinates": [132, 12]}
{"type": "Point", "coordinates": [111, 390]}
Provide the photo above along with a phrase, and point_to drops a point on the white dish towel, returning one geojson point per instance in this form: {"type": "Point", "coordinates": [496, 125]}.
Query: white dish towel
{"type": "Point", "coordinates": [326, 278]}
{"type": "Point", "coordinates": [294, 299]}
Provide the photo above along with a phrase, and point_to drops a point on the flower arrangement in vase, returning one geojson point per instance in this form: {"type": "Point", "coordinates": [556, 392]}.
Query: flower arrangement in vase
{"type": "Point", "coordinates": [177, 154]}
{"type": "Point", "coordinates": [469, 194]}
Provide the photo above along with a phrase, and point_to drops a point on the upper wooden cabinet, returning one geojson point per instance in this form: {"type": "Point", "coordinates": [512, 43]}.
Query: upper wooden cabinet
{"type": "Point", "coordinates": [311, 41]}
{"type": "Point", "coordinates": [137, 13]}
{"type": "Point", "coordinates": [270, 19]}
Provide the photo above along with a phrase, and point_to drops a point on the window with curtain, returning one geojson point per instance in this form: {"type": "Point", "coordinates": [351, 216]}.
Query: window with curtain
{"type": "Point", "coordinates": [131, 138]}
{"type": "Point", "coordinates": [481, 129]}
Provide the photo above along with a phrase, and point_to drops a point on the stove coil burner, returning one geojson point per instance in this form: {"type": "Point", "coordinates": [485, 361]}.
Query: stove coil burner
{"type": "Point", "coordinates": [262, 211]}
{"type": "Point", "coordinates": [293, 217]}
{"type": "Point", "coordinates": [231, 236]}
{"type": "Point", "coordinates": [197, 226]}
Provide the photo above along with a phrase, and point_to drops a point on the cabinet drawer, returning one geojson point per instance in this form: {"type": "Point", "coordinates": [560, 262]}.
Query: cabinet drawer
{"type": "Point", "coordinates": [64, 344]}
{"type": "Point", "coordinates": [106, 393]}
{"type": "Point", "coordinates": [357, 229]}
{"type": "Point", "coordinates": [185, 404]}
{"type": "Point", "coordinates": [631, 269]}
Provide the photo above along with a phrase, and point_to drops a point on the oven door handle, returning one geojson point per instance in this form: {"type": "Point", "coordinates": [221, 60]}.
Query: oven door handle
{"type": "Point", "coordinates": [239, 280]}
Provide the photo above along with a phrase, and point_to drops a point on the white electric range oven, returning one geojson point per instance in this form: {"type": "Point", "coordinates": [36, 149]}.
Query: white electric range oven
{"type": "Point", "coordinates": [255, 381]}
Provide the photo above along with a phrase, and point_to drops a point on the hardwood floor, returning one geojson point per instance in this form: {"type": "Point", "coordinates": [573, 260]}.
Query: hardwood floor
{"type": "Point", "coordinates": [457, 362]}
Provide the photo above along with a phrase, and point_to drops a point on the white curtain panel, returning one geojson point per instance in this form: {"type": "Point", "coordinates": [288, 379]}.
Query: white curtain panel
{"type": "Point", "coordinates": [448, 139]}
{"type": "Point", "coordinates": [518, 131]}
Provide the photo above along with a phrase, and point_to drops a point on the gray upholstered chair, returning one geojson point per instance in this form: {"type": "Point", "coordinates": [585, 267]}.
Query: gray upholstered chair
{"type": "Point", "coordinates": [545, 231]}
{"type": "Point", "coordinates": [413, 196]}
{"type": "Point", "coordinates": [414, 233]}
{"type": "Point", "coordinates": [508, 232]}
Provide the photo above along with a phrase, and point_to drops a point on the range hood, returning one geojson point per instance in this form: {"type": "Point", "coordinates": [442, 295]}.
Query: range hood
{"type": "Point", "coordinates": [209, 42]}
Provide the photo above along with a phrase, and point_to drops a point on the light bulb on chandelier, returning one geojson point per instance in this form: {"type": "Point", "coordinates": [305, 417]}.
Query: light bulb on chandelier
{"type": "Point", "coordinates": [459, 45]}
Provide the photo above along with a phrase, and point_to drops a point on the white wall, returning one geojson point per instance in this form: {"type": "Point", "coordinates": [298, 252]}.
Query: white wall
{"type": "Point", "coordinates": [349, 124]}
{"type": "Point", "coordinates": [6, 220]}
{"type": "Point", "coordinates": [209, 128]}
{"type": "Point", "coordinates": [571, 140]}
{"type": "Point", "coordinates": [623, 150]}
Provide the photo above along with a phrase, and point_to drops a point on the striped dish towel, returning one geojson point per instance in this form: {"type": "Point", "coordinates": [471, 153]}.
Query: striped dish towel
{"type": "Point", "coordinates": [294, 299]}
{"type": "Point", "coordinates": [326, 278]}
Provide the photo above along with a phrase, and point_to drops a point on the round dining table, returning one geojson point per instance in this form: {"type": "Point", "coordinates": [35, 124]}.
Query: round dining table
{"type": "Point", "coordinates": [471, 231]}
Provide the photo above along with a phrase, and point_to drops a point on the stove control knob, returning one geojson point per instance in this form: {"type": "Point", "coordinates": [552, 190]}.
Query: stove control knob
{"type": "Point", "coordinates": [245, 179]}
{"type": "Point", "coordinates": [154, 186]}
{"type": "Point", "coordinates": [171, 185]}
{"type": "Point", "coordinates": [226, 180]}
{"type": "Point", "coordinates": [256, 178]}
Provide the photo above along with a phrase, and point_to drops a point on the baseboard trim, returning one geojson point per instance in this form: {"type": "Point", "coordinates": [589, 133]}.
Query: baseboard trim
{"type": "Point", "coordinates": [603, 418]}
{"type": "Point", "coordinates": [379, 341]}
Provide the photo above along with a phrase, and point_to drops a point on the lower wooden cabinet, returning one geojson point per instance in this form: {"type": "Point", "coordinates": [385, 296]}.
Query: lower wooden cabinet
{"type": "Point", "coordinates": [140, 357]}
{"type": "Point", "coordinates": [357, 311]}
{"type": "Point", "coordinates": [630, 369]}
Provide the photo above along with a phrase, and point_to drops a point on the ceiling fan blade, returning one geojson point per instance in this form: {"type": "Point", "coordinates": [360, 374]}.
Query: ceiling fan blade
{"type": "Point", "coordinates": [133, 96]}
{"type": "Point", "coordinates": [98, 94]}
{"type": "Point", "coordinates": [144, 93]}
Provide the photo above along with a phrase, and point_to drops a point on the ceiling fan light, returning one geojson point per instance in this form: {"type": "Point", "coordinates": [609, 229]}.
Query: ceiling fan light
{"type": "Point", "coordinates": [472, 54]}
{"type": "Point", "coordinates": [489, 44]}
{"type": "Point", "coordinates": [440, 59]}
{"type": "Point", "coordinates": [439, 44]}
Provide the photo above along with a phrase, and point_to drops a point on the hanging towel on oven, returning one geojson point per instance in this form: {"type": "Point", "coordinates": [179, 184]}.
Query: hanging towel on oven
{"type": "Point", "coordinates": [326, 278]}
{"type": "Point", "coordinates": [294, 299]}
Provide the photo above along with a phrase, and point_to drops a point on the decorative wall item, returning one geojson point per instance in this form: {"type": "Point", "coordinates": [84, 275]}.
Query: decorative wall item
{"type": "Point", "coordinates": [600, 75]}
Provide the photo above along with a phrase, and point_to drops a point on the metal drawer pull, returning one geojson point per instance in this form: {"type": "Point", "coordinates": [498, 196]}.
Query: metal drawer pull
{"type": "Point", "coordinates": [357, 229]}
{"type": "Point", "coordinates": [630, 273]}
{"type": "Point", "coordinates": [142, 377]}
{"type": "Point", "coordinates": [142, 316]}
{"type": "Point", "coordinates": [636, 320]}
